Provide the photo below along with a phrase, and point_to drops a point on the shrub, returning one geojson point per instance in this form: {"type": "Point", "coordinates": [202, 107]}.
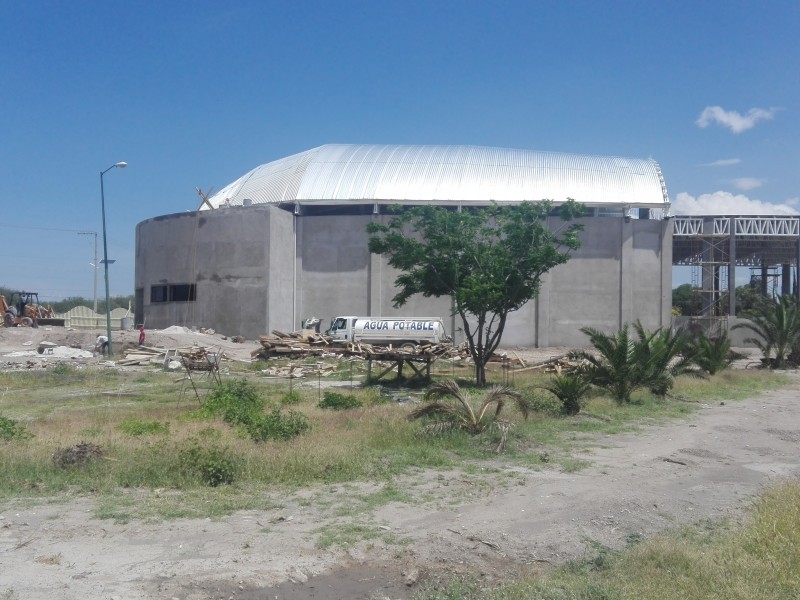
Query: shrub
{"type": "Point", "coordinates": [292, 397]}
{"type": "Point", "coordinates": [712, 354]}
{"type": "Point", "coordinates": [11, 430]}
{"type": "Point", "coordinates": [237, 402]}
{"type": "Point", "coordinates": [137, 427]}
{"type": "Point", "coordinates": [277, 425]}
{"type": "Point", "coordinates": [337, 401]}
{"type": "Point", "coordinates": [212, 465]}
{"type": "Point", "coordinates": [624, 362]}
{"type": "Point", "coordinates": [570, 390]}
{"type": "Point", "coordinates": [777, 325]}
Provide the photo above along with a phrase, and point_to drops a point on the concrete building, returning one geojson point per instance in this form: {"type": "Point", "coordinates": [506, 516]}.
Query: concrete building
{"type": "Point", "coordinates": [287, 241]}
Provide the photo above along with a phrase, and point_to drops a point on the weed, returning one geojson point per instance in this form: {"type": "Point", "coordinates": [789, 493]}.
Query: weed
{"type": "Point", "coordinates": [337, 401]}
{"type": "Point", "coordinates": [213, 465]}
{"type": "Point", "coordinates": [276, 425]}
{"type": "Point", "coordinates": [292, 397]}
{"type": "Point", "coordinates": [136, 427]}
{"type": "Point", "coordinates": [235, 401]}
{"type": "Point", "coordinates": [11, 430]}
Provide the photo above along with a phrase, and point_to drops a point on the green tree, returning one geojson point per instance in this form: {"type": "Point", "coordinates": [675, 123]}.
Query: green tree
{"type": "Point", "coordinates": [686, 300]}
{"type": "Point", "coordinates": [777, 325]}
{"type": "Point", "coordinates": [488, 260]}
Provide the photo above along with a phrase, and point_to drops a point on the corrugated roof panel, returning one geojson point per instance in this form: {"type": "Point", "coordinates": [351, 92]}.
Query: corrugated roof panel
{"type": "Point", "coordinates": [340, 173]}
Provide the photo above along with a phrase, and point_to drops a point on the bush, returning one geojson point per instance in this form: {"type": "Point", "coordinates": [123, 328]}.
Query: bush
{"type": "Point", "coordinates": [570, 390]}
{"type": "Point", "coordinates": [237, 402]}
{"type": "Point", "coordinates": [11, 430]}
{"type": "Point", "coordinates": [213, 465]}
{"type": "Point", "coordinates": [542, 403]}
{"type": "Point", "coordinates": [292, 397]}
{"type": "Point", "coordinates": [338, 401]}
{"type": "Point", "coordinates": [136, 427]}
{"type": "Point", "coordinates": [277, 425]}
{"type": "Point", "coordinates": [712, 354]}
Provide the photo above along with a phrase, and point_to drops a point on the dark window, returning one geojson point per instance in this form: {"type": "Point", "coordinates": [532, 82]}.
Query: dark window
{"type": "Point", "coordinates": [158, 293]}
{"type": "Point", "coordinates": [182, 292]}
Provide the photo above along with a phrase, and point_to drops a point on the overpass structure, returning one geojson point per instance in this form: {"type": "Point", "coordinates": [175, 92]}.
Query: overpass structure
{"type": "Point", "coordinates": [715, 245]}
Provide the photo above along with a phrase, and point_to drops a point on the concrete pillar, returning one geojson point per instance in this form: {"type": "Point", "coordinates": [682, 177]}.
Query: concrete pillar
{"type": "Point", "coordinates": [786, 278]}
{"type": "Point", "coordinates": [764, 275]}
{"type": "Point", "coordinates": [732, 269]}
{"type": "Point", "coordinates": [625, 297]}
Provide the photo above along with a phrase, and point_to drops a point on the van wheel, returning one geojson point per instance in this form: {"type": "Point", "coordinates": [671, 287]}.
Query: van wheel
{"type": "Point", "coordinates": [408, 347]}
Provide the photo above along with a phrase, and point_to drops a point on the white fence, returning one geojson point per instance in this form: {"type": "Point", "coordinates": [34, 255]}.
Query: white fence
{"type": "Point", "coordinates": [83, 317]}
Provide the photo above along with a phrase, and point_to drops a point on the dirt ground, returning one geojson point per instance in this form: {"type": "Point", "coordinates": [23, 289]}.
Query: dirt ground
{"type": "Point", "coordinates": [495, 523]}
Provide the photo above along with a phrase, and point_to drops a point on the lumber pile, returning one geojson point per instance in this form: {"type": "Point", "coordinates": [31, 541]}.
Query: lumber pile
{"type": "Point", "coordinates": [194, 356]}
{"type": "Point", "coordinates": [298, 344]}
{"type": "Point", "coordinates": [142, 355]}
{"type": "Point", "coordinates": [297, 371]}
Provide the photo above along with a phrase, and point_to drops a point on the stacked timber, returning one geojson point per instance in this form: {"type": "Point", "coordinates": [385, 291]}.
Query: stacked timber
{"type": "Point", "coordinates": [298, 344]}
{"type": "Point", "coordinates": [142, 355]}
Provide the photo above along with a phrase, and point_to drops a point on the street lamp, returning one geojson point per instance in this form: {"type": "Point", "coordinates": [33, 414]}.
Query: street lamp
{"type": "Point", "coordinates": [121, 165]}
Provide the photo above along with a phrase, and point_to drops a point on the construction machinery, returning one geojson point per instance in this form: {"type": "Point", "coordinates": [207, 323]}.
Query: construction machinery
{"type": "Point", "coordinates": [23, 310]}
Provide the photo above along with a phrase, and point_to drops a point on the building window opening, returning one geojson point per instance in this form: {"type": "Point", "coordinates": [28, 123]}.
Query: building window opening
{"type": "Point", "coordinates": [183, 292]}
{"type": "Point", "coordinates": [158, 293]}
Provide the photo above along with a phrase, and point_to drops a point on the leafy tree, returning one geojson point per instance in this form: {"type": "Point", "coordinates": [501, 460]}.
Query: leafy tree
{"type": "Point", "coordinates": [488, 260]}
{"type": "Point", "coordinates": [452, 409]}
{"type": "Point", "coordinates": [777, 325]}
{"type": "Point", "coordinates": [686, 300]}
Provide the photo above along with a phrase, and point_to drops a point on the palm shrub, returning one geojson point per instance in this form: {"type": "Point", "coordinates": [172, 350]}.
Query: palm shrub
{"type": "Point", "coordinates": [664, 355]}
{"type": "Point", "coordinates": [624, 362]}
{"type": "Point", "coordinates": [777, 325]}
{"type": "Point", "coordinates": [712, 354]}
{"type": "Point", "coordinates": [450, 408]}
{"type": "Point", "coordinates": [570, 390]}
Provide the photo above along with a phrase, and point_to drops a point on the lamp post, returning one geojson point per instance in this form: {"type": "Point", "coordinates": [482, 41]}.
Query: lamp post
{"type": "Point", "coordinates": [121, 165]}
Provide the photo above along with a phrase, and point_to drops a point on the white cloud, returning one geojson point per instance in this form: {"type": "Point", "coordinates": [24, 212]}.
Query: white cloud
{"type": "Point", "coordinates": [724, 162]}
{"type": "Point", "coordinates": [731, 119]}
{"type": "Point", "coordinates": [747, 183]}
{"type": "Point", "coordinates": [725, 203]}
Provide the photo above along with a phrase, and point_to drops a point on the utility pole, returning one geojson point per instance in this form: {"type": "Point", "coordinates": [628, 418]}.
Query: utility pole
{"type": "Point", "coordinates": [94, 265]}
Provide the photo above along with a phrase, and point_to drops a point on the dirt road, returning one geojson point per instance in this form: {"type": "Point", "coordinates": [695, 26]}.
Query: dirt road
{"type": "Point", "coordinates": [491, 522]}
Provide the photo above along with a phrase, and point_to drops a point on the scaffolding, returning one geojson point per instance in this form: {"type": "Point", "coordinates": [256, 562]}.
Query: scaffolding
{"type": "Point", "coordinates": [713, 246]}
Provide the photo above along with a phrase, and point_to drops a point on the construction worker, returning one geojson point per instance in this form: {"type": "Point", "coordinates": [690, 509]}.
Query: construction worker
{"type": "Point", "coordinates": [101, 345]}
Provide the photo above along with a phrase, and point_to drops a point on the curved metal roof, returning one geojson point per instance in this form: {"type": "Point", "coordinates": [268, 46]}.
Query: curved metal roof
{"type": "Point", "coordinates": [389, 174]}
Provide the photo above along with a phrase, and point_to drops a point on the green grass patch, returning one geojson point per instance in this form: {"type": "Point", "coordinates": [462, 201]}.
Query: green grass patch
{"type": "Point", "coordinates": [136, 427]}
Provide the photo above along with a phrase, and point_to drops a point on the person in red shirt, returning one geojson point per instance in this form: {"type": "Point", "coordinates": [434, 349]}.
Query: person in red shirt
{"type": "Point", "coordinates": [141, 335]}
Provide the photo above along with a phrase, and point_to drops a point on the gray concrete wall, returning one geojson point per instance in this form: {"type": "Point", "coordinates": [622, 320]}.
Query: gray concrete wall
{"type": "Point", "coordinates": [224, 252]}
{"type": "Point", "coordinates": [261, 268]}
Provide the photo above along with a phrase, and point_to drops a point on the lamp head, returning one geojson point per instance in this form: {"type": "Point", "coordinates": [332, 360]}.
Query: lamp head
{"type": "Point", "coordinates": [121, 165]}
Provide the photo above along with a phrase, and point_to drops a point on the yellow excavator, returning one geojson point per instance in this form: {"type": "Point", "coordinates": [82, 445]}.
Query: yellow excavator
{"type": "Point", "coordinates": [24, 310]}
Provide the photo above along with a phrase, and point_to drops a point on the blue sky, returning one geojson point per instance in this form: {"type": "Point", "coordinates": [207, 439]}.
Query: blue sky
{"type": "Point", "coordinates": [195, 94]}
